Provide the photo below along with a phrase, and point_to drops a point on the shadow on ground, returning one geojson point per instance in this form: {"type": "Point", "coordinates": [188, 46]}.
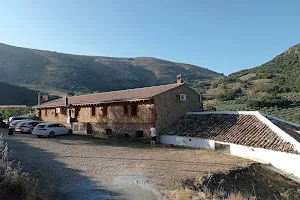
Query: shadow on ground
{"type": "Point", "coordinates": [55, 179]}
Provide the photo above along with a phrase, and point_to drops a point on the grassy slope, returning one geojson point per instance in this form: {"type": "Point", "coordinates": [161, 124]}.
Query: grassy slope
{"type": "Point", "coordinates": [66, 72]}
{"type": "Point", "coordinates": [280, 76]}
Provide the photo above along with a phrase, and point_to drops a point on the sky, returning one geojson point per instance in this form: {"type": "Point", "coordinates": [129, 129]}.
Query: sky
{"type": "Point", "coordinates": [224, 36]}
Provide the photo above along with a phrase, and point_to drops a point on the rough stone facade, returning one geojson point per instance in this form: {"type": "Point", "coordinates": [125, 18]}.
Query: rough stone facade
{"type": "Point", "coordinates": [169, 108]}
{"type": "Point", "coordinates": [119, 119]}
{"type": "Point", "coordinates": [116, 119]}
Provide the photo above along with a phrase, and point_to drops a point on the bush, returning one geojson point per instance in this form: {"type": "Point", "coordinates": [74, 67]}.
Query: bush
{"type": "Point", "coordinates": [5, 113]}
{"type": "Point", "coordinates": [230, 95]}
{"type": "Point", "coordinates": [14, 184]}
{"type": "Point", "coordinates": [211, 108]}
{"type": "Point", "coordinates": [268, 101]}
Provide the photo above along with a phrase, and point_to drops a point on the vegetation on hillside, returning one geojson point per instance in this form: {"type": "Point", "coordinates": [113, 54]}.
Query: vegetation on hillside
{"type": "Point", "coordinates": [16, 95]}
{"type": "Point", "coordinates": [5, 113]}
{"type": "Point", "coordinates": [273, 88]}
{"type": "Point", "coordinates": [77, 73]}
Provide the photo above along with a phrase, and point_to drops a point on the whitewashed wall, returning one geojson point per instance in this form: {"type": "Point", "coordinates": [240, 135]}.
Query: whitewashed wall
{"type": "Point", "coordinates": [287, 162]}
{"type": "Point", "coordinates": [187, 141]}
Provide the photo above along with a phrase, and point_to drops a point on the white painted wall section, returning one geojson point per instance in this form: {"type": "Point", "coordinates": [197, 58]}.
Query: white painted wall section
{"type": "Point", "coordinates": [285, 161]}
{"type": "Point", "coordinates": [187, 141]}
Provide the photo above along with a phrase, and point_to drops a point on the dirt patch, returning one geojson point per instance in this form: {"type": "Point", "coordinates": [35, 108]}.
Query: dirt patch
{"type": "Point", "coordinates": [253, 180]}
{"type": "Point", "coordinates": [105, 167]}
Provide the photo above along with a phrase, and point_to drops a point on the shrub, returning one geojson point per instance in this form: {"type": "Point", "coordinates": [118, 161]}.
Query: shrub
{"type": "Point", "coordinates": [230, 95]}
{"type": "Point", "coordinates": [14, 184]}
{"type": "Point", "coordinates": [210, 108]}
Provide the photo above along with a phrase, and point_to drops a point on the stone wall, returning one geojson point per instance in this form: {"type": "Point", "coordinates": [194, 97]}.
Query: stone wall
{"type": "Point", "coordinates": [116, 120]}
{"type": "Point", "coordinates": [122, 130]}
{"type": "Point", "coordinates": [169, 108]}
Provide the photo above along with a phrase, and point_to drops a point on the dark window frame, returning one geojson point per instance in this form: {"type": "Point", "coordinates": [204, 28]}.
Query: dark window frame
{"type": "Point", "coordinates": [105, 110]}
{"type": "Point", "coordinates": [77, 111]}
{"type": "Point", "coordinates": [125, 110]}
{"type": "Point", "coordinates": [93, 110]}
{"type": "Point", "coordinates": [134, 110]}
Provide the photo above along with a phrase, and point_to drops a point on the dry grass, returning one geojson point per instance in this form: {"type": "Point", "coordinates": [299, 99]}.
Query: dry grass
{"type": "Point", "coordinates": [14, 184]}
{"type": "Point", "coordinates": [187, 194]}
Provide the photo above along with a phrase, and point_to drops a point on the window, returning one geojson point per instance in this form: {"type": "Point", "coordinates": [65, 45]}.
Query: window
{"type": "Point", "coordinates": [64, 111]}
{"type": "Point", "coordinates": [125, 110]}
{"type": "Point", "coordinates": [133, 110]}
{"type": "Point", "coordinates": [104, 110]}
{"type": "Point", "coordinates": [77, 112]}
{"type": "Point", "coordinates": [222, 147]}
{"type": "Point", "coordinates": [93, 110]}
{"type": "Point", "coordinates": [46, 112]}
{"type": "Point", "coordinates": [108, 131]}
{"type": "Point", "coordinates": [139, 134]}
{"type": "Point", "coordinates": [55, 111]}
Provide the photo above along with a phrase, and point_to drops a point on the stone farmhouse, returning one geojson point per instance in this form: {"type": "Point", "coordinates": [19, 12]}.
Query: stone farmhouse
{"type": "Point", "coordinates": [129, 113]}
{"type": "Point", "coordinates": [248, 134]}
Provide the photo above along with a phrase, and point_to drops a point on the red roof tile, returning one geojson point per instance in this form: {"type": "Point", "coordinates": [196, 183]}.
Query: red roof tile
{"type": "Point", "coordinates": [115, 96]}
{"type": "Point", "coordinates": [242, 129]}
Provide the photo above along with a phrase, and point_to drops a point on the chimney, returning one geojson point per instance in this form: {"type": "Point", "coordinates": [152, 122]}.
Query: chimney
{"type": "Point", "coordinates": [179, 79]}
{"type": "Point", "coordinates": [40, 98]}
{"type": "Point", "coordinates": [66, 101]}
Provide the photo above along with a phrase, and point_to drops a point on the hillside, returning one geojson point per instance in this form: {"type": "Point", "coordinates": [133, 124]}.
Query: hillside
{"type": "Point", "coordinates": [16, 95]}
{"type": "Point", "coordinates": [65, 72]}
{"type": "Point", "coordinates": [281, 73]}
{"type": "Point", "coordinates": [273, 88]}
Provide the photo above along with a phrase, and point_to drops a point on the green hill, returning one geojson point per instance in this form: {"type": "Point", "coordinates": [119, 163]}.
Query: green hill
{"type": "Point", "coordinates": [16, 95]}
{"type": "Point", "coordinates": [281, 73]}
{"type": "Point", "coordinates": [273, 88]}
{"type": "Point", "coordinates": [66, 72]}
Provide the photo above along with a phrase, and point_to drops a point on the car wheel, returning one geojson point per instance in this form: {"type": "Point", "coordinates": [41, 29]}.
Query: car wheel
{"type": "Point", "coordinates": [70, 132]}
{"type": "Point", "coordinates": [51, 134]}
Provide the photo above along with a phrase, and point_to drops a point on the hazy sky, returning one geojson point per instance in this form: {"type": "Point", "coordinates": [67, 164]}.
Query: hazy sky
{"type": "Point", "coordinates": [222, 35]}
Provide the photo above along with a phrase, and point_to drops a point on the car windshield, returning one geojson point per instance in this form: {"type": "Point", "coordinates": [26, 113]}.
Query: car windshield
{"type": "Point", "coordinates": [21, 124]}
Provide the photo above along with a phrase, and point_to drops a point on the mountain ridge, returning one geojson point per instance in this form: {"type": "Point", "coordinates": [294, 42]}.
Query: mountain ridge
{"type": "Point", "coordinates": [85, 73]}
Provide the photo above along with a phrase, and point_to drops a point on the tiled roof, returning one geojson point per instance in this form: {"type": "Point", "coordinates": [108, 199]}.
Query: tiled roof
{"type": "Point", "coordinates": [115, 96]}
{"type": "Point", "coordinates": [293, 131]}
{"type": "Point", "coordinates": [241, 129]}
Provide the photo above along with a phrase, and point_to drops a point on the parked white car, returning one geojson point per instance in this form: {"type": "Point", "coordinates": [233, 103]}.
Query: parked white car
{"type": "Point", "coordinates": [51, 129]}
{"type": "Point", "coordinates": [27, 126]}
{"type": "Point", "coordinates": [14, 118]}
{"type": "Point", "coordinates": [14, 123]}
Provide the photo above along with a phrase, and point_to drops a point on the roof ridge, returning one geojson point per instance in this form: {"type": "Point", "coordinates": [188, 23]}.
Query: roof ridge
{"type": "Point", "coordinates": [281, 120]}
{"type": "Point", "coordinates": [127, 90]}
{"type": "Point", "coordinates": [113, 96]}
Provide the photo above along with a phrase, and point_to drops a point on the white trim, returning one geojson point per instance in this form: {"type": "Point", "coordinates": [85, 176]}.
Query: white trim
{"type": "Point", "coordinates": [261, 116]}
{"type": "Point", "coordinates": [225, 112]}
{"type": "Point", "coordinates": [281, 120]}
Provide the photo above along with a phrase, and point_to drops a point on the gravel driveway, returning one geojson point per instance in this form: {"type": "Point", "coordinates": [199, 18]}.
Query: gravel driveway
{"type": "Point", "coordinates": [83, 167]}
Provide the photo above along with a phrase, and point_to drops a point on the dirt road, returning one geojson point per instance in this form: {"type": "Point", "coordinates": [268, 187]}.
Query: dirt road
{"type": "Point", "coordinates": [83, 167]}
